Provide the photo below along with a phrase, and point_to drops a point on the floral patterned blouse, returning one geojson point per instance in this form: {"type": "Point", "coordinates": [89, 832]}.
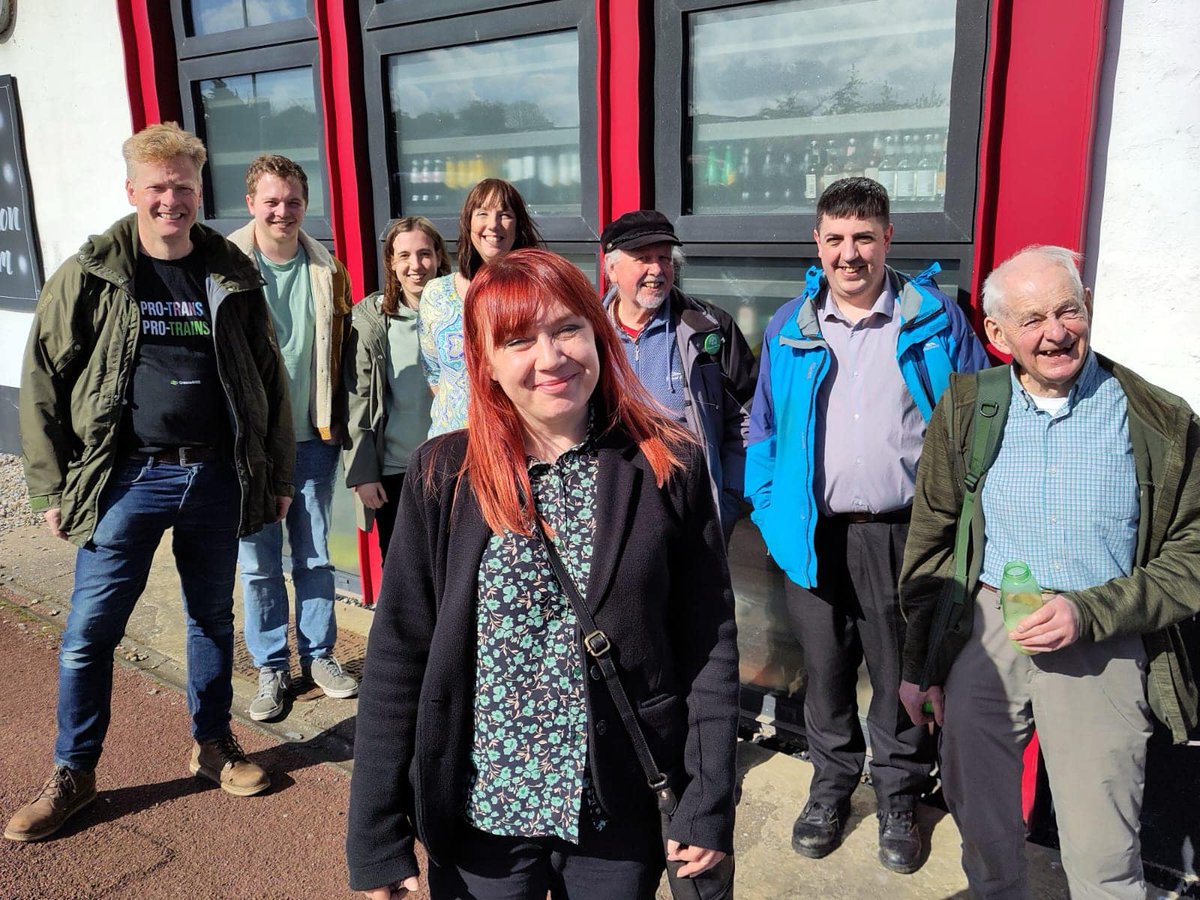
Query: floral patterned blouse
{"type": "Point", "coordinates": [531, 725]}
{"type": "Point", "coordinates": [441, 335]}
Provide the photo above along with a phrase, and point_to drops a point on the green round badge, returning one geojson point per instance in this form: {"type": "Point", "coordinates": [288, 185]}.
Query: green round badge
{"type": "Point", "coordinates": [712, 343]}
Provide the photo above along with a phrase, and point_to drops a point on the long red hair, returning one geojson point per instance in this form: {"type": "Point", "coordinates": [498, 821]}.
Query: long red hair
{"type": "Point", "coordinates": [505, 297]}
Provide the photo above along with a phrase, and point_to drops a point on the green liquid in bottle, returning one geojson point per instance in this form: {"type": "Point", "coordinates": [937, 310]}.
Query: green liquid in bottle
{"type": "Point", "coordinates": [1019, 596]}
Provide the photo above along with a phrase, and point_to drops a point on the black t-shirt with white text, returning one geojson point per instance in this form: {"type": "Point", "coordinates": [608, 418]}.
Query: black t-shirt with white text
{"type": "Point", "coordinates": [175, 394]}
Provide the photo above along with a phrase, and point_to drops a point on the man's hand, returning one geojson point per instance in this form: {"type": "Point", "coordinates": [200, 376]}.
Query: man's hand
{"type": "Point", "coordinates": [53, 517]}
{"type": "Point", "coordinates": [914, 700]}
{"type": "Point", "coordinates": [1054, 626]}
{"type": "Point", "coordinates": [395, 891]}
{"type": "Point", "coordinates": [371, 493]}
{"type": "Point", "coordinates": [282, 505]}
{"type": "Point", "coordinates": [696, 859]}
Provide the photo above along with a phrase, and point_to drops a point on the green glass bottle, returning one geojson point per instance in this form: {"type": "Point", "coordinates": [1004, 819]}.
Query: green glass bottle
{"type": "Point", "coordinates": [1020, 595]}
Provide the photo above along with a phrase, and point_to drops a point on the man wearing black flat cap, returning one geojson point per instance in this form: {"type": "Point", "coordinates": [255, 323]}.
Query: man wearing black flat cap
{"type": "Point", "coordinates": [689, 354]}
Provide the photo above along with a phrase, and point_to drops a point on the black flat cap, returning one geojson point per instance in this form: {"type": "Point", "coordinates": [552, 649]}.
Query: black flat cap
{"type": "Point", "coordinates": [637, 229]}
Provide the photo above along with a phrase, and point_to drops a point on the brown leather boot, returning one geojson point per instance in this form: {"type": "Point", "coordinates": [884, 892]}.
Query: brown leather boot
{"type": "Point", "coordinates": [222, 760]}
{"type": "Point", "coordinates": [64, 794]}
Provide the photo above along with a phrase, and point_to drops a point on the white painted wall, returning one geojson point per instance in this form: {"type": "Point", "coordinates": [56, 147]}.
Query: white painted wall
{"type": "Point", "coordinates": [1143, 255]}
{"type": "Point", "coordinates": [70, 73]}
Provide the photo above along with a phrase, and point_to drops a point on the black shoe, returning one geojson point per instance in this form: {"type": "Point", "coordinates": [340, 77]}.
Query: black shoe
{"type": "Point", "coordinates": [818, 831]}
{"type": "Point", "coordinates": [899, 842]}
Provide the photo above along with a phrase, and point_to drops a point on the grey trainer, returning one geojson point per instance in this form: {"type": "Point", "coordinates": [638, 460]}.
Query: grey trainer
{"type": "Point", "coordinates": [327, 673]}
{"type": "Point", "coordinates": [273, 686]}
{"type": "Point", "coordinates": [65, 793]}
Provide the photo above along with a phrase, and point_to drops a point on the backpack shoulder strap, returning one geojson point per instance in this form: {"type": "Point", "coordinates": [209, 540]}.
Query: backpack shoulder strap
{"type": "Point", "coordinates": [993, 394]}
{"type": "Point", "coordinates": [992, 398]}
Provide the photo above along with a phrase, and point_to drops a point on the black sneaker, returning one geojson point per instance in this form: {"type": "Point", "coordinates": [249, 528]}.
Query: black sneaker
{"type": "Point", "coordinates": [899, 842]}
{"type": "Point", "coordinates": [818, 831]}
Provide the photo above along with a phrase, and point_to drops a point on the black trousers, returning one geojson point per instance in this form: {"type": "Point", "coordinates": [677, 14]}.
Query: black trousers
{"type": "Point", "coordinates": [619, 862]}
{"type": "Point", "coordinates": [385, 516]}
{"type": "Point", "coordinates": [854, 613]}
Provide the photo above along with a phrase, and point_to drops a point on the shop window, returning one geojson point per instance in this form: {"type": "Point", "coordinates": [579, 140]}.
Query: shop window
{"type": "Point", "coordinates": [775, 120]}
{"type": "Point", "coordinates": [467, 94]}
{"type": "Point", "coordinates": [505, 109]}
{"type": "Point", "coordinates": [249, 85]}
{"type": "Point", "coordinates": [777, 100]}
{"type": "Point", "coordinates": [245, 115]}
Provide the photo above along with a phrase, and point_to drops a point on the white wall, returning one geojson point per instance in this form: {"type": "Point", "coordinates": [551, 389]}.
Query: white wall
{"type": "Point", "coordinates": [1143, 254]}
{"type": "Point", "coordinates": [70, 73]}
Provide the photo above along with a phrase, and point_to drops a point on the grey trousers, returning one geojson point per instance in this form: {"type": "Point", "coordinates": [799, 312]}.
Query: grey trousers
{"type": "Point", "coordinates": [1089, 705]}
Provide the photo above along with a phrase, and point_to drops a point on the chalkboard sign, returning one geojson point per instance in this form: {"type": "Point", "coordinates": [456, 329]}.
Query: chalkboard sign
{"type": "Point", "coordinates": [20, 265]}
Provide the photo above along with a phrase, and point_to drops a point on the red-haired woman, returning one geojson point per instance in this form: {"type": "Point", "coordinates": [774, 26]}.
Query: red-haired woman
{"type": "Point", "coordinates": [484, 728]}
{"type": "Point", "coordinates": [388, 400]}
{"type": "Point", "coordinates": [493, 221]}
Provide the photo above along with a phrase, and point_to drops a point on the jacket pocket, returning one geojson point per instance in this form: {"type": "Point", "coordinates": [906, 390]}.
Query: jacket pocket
{"type": "Point", "coordinates": [664, 721]}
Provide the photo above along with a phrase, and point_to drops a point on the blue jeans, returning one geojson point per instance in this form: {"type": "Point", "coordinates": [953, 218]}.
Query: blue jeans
{"type": "Point", "coordinates": [261, 560]}
{"type": "Point", "coordinates": [202, 504]}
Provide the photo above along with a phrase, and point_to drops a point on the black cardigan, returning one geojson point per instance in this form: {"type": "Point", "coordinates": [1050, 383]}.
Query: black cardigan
{"type": "Point", "coordinates": [659, 588]}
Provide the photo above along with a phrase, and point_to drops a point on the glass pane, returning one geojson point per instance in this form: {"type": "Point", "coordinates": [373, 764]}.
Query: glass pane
{"type": "Point", "coordinates": [506, 109]}
{"type": "Point", "coordinates": [267, 112]}
{"type": "Point", "coordinates": [788, 97]}
{"type": "Point", "coordinates": [212, 16]}
{"type": "Point", "coordinates": [751, 289]}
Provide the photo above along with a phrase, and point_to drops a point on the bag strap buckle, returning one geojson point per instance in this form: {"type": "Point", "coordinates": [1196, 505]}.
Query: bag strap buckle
{"type": "Point", "coordinates": [597, 644]}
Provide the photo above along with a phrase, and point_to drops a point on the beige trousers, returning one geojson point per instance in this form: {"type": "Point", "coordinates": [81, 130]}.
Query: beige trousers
{"type": "Point", "coordinates": [1088, 702]}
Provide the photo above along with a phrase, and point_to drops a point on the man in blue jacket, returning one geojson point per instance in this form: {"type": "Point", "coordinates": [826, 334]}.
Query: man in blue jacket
{"type": "Point", "coordinates": [849, 374]}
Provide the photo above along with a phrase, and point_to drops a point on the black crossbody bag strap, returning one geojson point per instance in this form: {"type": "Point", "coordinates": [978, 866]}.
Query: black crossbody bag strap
{"type": "Point", "coordinates": [598, 646]}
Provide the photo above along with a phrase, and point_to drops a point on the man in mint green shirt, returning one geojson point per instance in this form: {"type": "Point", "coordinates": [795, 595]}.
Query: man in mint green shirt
{"type": "Point", "coordinates": [308, 292]}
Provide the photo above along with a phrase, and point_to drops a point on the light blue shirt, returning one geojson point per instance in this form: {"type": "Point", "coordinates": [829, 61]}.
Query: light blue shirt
{"type": "Point", "coordinates": [869, 432]}
{"type": "Point", "coordinates": [289, 297]}
{"type": "Point", "coordinates": [1062, 494]}
{"type": "Point", "coordinates": [654, 357]}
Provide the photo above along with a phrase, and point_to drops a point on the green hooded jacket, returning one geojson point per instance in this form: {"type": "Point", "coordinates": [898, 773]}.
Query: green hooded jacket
{"type": "Point", "coordinates": [1162, 591]}
{"type": "Point", "coordinates": [78, 363]}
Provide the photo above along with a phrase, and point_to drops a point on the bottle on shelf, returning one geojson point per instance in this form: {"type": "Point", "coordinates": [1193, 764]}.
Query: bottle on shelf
{"type": "Point", "coordinates": [729, 171]}
{"type": "Point", "coordinates": [832, 171]}
{"type": "Point", "coordinates": [887, 166]}
{"type": "Point", "coordinates": [711, 175]}
{"type": "Point", "coordinates": [853, 166]}
{"type": "Point", "coordinates": [787, 181]}
{"type": "Point", "coordinates": [939, 185]}
{"type": "Point", "coordinates": [744, 176]}
{"type": "Point", "coordinates": [925, 179]}
{"type": "Point", "coordinates": [766, 179]}
{"type": "Point", "coordinates": [906, 172]}
{"type": "Point", "coordinates": [438, 185]}
{"type": "Point", "coordinates": [871, 168]}
{"type": "Point", "coordinates": [812, 172]}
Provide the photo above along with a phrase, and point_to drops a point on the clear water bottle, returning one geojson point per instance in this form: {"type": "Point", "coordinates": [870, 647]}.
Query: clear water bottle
{"type": "Point", "coordinates": [1020, 595]}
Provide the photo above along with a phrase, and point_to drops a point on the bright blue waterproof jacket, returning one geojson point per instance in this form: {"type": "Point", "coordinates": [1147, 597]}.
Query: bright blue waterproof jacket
{"type": "Point", "coordinates": [935, 339]}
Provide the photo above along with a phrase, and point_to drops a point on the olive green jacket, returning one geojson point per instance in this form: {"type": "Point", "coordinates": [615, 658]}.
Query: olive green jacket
{"type": "Point", "coordinates": [78, 363]}
{"type": "Point", "coordinates": [1162, 591]}
{"type": "Point", "coordinates": [370, 400]}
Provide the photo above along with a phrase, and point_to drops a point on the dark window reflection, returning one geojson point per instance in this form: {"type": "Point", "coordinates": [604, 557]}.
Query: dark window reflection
{"type": "Point", "coordinates": [267, 112]}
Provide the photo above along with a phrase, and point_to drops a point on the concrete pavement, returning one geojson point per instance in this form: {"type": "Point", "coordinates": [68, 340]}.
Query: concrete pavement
{"type": "Point", "coordinates": [151, 814]}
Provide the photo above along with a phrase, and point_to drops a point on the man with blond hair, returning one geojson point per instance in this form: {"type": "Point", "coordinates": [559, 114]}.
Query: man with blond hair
{"type": "Point", "coordinates": [153, 397]}
{"type": "Point", "coordinates": [1089, 481]}
{"type": "Point", "coordinates": [308, 293]}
